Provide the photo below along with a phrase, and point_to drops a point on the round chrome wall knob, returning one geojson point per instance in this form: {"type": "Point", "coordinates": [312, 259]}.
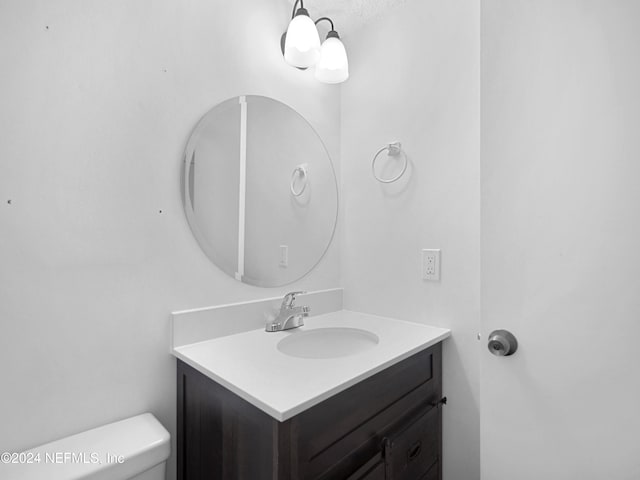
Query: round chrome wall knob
{"type": "Point", "coordinates": [502, 343]}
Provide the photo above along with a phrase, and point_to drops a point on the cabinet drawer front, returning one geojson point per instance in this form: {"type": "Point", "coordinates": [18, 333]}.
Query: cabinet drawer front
{"type": "Point", "coordinates": [350, 426]}
{"type": "Point", "coordinates": [411, 452]}
{"type": "Point", "coordinates": [355, 406]}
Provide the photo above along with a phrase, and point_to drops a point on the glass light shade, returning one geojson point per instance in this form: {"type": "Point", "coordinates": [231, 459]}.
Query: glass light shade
{"type": "Point", "coordinates": [333, 66]}
{"type": "Point", "coordinates": [302, 44]}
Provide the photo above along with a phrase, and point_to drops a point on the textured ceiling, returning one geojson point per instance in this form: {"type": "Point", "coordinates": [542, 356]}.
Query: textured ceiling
{"type": "Point", "coordinates": [349, 15]}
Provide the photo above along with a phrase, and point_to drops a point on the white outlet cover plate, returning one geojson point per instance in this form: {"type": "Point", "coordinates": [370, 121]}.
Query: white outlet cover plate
{"type": "Point", "coordinates": [431, 264]}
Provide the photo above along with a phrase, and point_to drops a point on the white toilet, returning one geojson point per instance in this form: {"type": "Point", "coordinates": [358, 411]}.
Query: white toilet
{"type": "Point", "coordinates": [133, 449]}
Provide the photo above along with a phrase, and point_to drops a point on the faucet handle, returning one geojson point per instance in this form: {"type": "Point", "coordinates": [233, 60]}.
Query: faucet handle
{"type": "Point", "coordinates": [290, 298]}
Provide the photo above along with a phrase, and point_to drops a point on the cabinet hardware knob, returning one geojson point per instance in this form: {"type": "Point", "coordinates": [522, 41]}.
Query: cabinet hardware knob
{"type": "Point", "coordinates": [414, 451]}
{"type": "Point", "coordinates": [442, 401]}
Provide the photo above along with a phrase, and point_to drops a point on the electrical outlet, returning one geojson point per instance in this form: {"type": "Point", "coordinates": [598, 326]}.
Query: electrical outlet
{"type": "Point", "coordinates": [284, 256]}
{"type": "Point", "coordinates": [431, 264]}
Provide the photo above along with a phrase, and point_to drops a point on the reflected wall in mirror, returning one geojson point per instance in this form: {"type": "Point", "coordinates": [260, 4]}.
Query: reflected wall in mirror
{"type": "Point", "coordinates": [260, 191]}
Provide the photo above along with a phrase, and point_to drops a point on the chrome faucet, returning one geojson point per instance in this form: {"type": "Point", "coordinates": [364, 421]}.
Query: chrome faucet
{"type": "Point", "coordinates": [289, 316]}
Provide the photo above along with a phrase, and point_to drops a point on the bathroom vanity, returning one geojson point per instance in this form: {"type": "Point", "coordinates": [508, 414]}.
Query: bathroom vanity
{"type": "Point", "coordinates": [250, 407]}
{"type": "Point", "coordinates": [347, 395]}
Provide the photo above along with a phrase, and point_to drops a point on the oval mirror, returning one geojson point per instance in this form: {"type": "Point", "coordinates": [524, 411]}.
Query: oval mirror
{"type": "Point", "coordinates": [260, 191]}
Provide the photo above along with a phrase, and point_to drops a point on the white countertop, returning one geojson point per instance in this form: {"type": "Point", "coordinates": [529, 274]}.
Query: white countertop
{"type": "Point", "coordinates": [251, 366]}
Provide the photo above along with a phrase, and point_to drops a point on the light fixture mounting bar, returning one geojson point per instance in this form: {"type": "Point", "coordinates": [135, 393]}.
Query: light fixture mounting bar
{"type": "Point", "coordinates": [293, 12]}
{"type": "Point", "coordinates": [327, 19]}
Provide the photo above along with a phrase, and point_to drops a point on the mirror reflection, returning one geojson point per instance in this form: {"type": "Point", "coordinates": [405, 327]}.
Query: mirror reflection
{"type": "Point", "coordinates": [260, 191]}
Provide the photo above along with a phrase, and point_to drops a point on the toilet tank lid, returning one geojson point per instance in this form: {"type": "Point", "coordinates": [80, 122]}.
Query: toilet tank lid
{"type": "Point", "coordinates": [116, 451]}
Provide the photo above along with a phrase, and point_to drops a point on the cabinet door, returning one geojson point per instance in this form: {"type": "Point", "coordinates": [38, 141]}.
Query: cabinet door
{"type": "Point", "coordinates": [372, 470]}
{"type": "Point", "coordinates": [433, 473]}
{"type": "Point", "coordinates": [411, 451]}
{"type": "Point", "coordinates": [376, 474]}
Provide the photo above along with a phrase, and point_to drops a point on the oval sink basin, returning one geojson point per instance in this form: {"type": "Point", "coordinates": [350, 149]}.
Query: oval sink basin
{"type": "Point", "coordinates": [327, 342]}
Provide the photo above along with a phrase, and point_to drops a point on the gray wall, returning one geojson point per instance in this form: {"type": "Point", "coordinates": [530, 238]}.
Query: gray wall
{"type": "Point", "coordinates": [98, 100]}
{"type": "Point", "coordinates": [415, 79]}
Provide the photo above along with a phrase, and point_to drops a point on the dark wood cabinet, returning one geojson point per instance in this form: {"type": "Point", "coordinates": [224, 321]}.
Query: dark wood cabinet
{"type": "Point", "coordinates": [374, 469]}
{"type": "Point", "coordinates": [387, 427]}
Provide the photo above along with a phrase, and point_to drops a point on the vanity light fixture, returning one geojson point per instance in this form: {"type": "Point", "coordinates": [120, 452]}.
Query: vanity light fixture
{"type": "Point", "coordinates": [302, 42]}
{"type": "Point", "coordinates": [300, 45]}
{"type": "Point", "coordinates": [333, 66]}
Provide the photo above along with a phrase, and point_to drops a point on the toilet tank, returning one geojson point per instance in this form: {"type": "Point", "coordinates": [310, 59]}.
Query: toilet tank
{"type": "Point", "coordinates": [135, 448]}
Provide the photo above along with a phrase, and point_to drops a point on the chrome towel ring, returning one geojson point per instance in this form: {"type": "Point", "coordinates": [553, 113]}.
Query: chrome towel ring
{"type": "Point", "coordinates": [394, 149]}
{"type": "Point", "coordinates": [299, 172]}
